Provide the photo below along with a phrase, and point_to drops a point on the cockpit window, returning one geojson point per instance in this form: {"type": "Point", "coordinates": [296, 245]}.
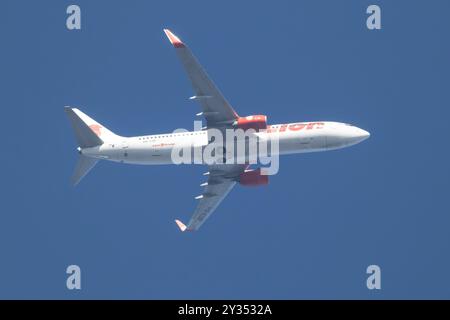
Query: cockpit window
{"type": "Point", "coordinates": [348, 124]}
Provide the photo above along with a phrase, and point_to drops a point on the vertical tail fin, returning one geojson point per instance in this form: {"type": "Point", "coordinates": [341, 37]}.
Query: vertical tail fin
{"type": "Point", "coordinates": [88, 132]}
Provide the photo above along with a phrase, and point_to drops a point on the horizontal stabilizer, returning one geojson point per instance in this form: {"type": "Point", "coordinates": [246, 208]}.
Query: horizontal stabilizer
{"type": "Point", "coordinates": [84, 165]}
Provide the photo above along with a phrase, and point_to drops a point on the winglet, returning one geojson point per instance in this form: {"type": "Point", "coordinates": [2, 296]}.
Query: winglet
{"type": "Point", "coordinates": [174, 40]}
{"type": "Point", "coordinates": [181, 225]}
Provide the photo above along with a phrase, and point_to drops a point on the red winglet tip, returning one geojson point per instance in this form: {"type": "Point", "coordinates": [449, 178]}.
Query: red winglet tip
{"type": "Point", "coordinates": [181, 225]}
{"type": "Point", "coordinates": [174, 40]}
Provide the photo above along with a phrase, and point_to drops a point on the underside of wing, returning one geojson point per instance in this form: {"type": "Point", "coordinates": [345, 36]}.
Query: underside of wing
{"type": "Point", "coordinates": [216, 109]}
{"type": "Point", "coordinates": [221, 179]}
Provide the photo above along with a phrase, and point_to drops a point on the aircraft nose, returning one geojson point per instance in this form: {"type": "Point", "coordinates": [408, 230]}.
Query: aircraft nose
{"type": "Point", "coordinates": [364, 134]}
{"type": "Point", "coordinates": [345, 136]}
{"type": "Point", "coordinates": [359, 135]}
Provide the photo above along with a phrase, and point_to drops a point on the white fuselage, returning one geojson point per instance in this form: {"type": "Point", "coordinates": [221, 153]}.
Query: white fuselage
{"type": "Point", "coordinates": [299, 137]}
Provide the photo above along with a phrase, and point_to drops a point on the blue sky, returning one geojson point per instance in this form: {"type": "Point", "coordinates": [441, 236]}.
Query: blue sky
{"type": "Point", "coordinates": [310, 233]}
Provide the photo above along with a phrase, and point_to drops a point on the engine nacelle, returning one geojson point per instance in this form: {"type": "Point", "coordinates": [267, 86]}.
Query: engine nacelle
{"type": "Point", "coordinates": [257, 122]}
{"type": "Point", "coordinates": [253, 178]}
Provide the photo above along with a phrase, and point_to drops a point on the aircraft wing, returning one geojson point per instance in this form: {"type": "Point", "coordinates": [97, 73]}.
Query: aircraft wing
{"type": "Point", "coordinates": [221, 179]}
{"type": "Point", "coordinates": [216, 109]}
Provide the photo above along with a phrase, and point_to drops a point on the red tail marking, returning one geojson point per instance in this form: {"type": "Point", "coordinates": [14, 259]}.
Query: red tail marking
{"type": "Point", "coordinates": [96, 128]}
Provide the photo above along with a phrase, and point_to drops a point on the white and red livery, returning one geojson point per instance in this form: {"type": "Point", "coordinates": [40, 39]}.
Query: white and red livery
{"type": "Point", "coordinates": [96, 142]}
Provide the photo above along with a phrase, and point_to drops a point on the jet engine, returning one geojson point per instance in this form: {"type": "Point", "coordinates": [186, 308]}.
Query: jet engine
{"type": "Point", "coordinates": [253, 178]}
{"type": "Point", "coordinates": [257, 122]}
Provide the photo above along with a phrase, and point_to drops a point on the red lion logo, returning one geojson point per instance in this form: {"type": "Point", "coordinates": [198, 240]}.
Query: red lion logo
{"type": "Point", "coordinates": [96, 128]}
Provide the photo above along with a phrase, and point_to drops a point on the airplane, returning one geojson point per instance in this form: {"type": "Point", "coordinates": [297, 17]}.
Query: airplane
{"type": "Point", "coordinates": [96, 142]}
